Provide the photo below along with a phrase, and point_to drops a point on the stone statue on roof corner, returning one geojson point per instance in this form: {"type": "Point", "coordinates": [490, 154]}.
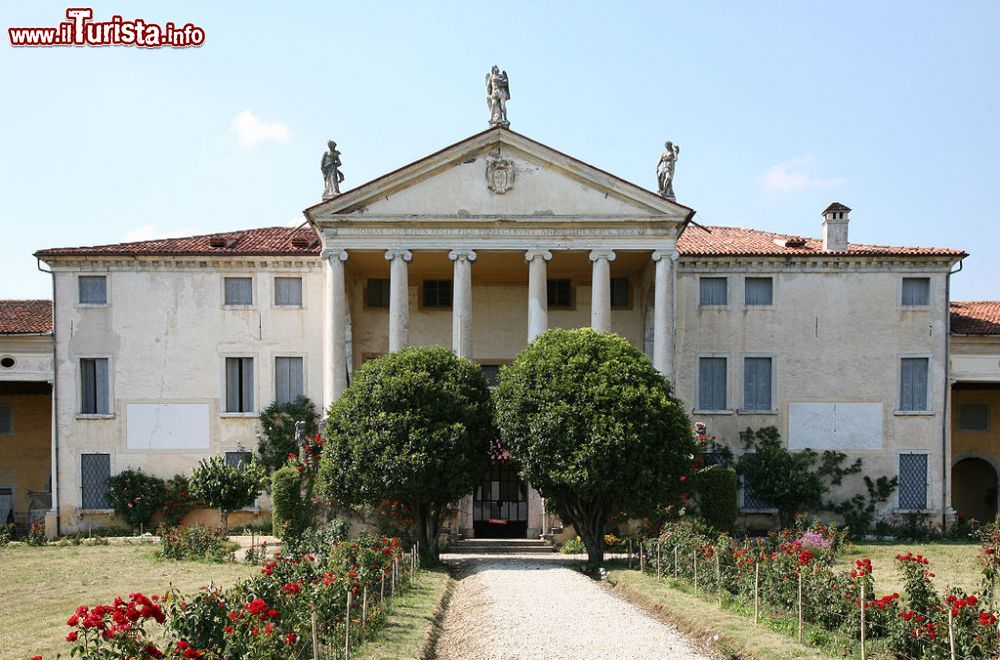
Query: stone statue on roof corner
{"type": "Point", "coordinates": [497, 95]}
{"type": "Point", "coordinates": [330, 167]}
{"type": "Point", "coordinates": [665, 169]}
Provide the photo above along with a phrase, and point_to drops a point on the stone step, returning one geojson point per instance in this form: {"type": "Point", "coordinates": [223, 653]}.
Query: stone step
{"type": "Point", "coordinates": [500, 546]}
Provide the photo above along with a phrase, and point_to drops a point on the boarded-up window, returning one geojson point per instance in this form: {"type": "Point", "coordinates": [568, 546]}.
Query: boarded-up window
{"type": "Point", "coordinates": [289, 382]}
{"type": "Point", "coordinates": [6, 423]}
{"type": "Point", "coordinates": [288, 291]}
{"type": "Point", "coordinates": [913, 384]}
{"type": "Point", "coordinates": [94, 472]}
{"type": "Point", "coordinates": [759, 291]}
{"type": "Point", "coordinates": [916, 290]}
{"type": "Point", "coordinates": [974, 417]}
{"type": "Point", "coordinates": [437, 294]}
{"type": "Point", "coordinates": [913, 481]}
{"type": "Point", "coordinates": [757, 378]}
{"type": "Point", "coordinates": [93, 290]}
{"type": "Point", "coordinates": [94, 389]}
{"type": "Point", "coordinates": [560, 294]}
{"type": "Point", "coordinates": [713, 291]}
{"type": "Point", "coordinates": [239, 385]}
{"type": "Point", "coordinates": [238, 458]}
{"type": "Point", "coordinates": [712, 383]}
{"type": "Point", "coordinates": [377, 291]}
{"type": "Point", "coordinates": [620, 292]}
{"type": "Point", "coordinates": [239, 291]}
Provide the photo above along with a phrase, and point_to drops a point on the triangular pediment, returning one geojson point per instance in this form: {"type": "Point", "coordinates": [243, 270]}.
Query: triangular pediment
{"type": "Point", "coordinates": [454, 183]}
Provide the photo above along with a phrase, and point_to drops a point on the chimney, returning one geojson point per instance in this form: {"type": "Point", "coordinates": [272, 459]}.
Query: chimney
{"type": "Point", "coordinates": [835, 219]}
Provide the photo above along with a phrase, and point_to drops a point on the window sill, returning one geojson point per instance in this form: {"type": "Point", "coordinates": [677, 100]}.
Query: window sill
{"type": "Point", "coordinates": [237, 414]}
{"type": "Point", "coordinates": [914, 413]}
{"type": "Point", "coordinates": [95, 415]}
{"type": "Point", "coordinates": [288, 308]}
{"type": "Point", "coordinates": [96, 512]}
{"type": "Point", "coordinates": [713, 307]}
{"type": "Point", "coordinates": [238, 307]}
{"type": "Point", "coordinates": [769, 512]}
{"type": "Point", "coordinates": [762, 307]}
{"type": "Point", "coordinates": [921, 511]}
{"type": "Point", "coordinates": [711, 412]}
{"type": "Point", "coordinates": [91, 305]}
{"type": "Point", "coordinates": [741, 411]}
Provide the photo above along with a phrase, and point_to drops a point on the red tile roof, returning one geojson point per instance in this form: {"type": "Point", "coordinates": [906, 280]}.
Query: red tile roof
{"type": "Point", "coordinates": [981, 317]}
{"type": "Point", "coordinates": [735, 241]}
{"type": "Point", "coordinates": [25, 317]}
{"type": "Point", "coordinates": [269, 241]}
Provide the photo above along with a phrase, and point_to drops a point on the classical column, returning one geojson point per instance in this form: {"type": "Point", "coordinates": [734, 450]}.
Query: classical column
{"type": "Point", "coordinates": [335, 371]}
{"type": "Point", "coordinates": [399, 299]}
{"type": "Point", "coordinates": [538, 292]}
{"type": "Point", "coordinates": [600, 291]}
{"type": "Point", "coordinates": [461, 306]}
{"type": "Point", "coordinates": [663, 313]}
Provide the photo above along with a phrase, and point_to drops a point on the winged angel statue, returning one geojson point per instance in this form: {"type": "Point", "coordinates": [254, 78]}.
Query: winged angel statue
{"type": "Point", "coordinates": [497, 95]}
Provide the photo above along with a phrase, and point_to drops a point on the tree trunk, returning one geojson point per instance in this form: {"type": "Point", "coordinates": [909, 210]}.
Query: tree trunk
{"type": "Point", "coordinates": [589, 519]}
{"type": "Point", "coordinates": [224, 521]}
{"type": "Point", "coordinates": [426, 524]}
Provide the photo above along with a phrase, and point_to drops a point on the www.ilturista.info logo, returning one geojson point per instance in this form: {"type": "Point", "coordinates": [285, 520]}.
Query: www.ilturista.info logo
{"type": "Point", "coordinates": [80, 30]}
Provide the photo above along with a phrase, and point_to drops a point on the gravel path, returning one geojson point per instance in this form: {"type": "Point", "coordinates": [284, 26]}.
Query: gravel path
{"type": "Point", "coordinates": [520, 607]}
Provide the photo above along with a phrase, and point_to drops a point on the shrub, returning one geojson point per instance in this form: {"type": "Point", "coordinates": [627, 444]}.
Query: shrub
{"type": "Point", "coordinates": [574, 546]}
{"type": "Point", "coordinates": [177, 500]}
{"type": "Point", "coordinates": [6, 534]}
{"type": "Point", "coordinates": [716, 489]}
{"type": "Point", "coordinates": [225, 487]}
{"type": "Point", "coordinates": [291, 513]}
{"type": "Point", "coordinates": [37, 535]}
{"type": "Point", "coordinates": [320, 539]}
{"type": "Point", "coordinates": [136, 496]}
{"type": "Point", "coordinates": [276, 439]}
{"type": "Point", "coordinates": [194, 542]}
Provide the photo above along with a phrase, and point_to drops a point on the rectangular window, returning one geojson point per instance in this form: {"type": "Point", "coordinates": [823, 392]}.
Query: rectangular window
{"type": "Point", "coordinates": [971, 417]}
{"type": "Point", "coordinates": [712, 383]}
{"type": "Point", "coordinates": [913, 383]}
{"type": "Point", "coordinates": [239, 290]}
{"type": "Point", "coordinates": [713, 291]}
{"type": "Point", "coordinates": [437, 294]}
{"type": "Point", "coordinates": [491, 372]}
{"type": "Point", "coordinates": [238, 458]}
{"type": "Point", "coordinates": [94, 472]}
{"type": "Point", "coordinates": [6, 422]}
{"type": "Point", "coordinates": [916, 291]}
{"type": "Point", "coordinates": [289, 381]}
{"type": "Point", "coordinates": [239, 385]}
{"type": "Point", "coordinates": [94, 389]}
{"type": "Point", "coordinates": [559, 293]}
{"type": "Point", "coordinates": [757, 377]}
{"type": "Point", "coordinates": [93, 290]}
{"type": "Point", "coordinates": [288, 291]}
{"type": "Point", "coordinates": [620, 292]}
{"type": "Point", "coordinates": [759, 291]}
{"type": "Point", "coordinates": [913, 482]}
{"type": "Point", "coordinates": [752, 502]}
{"type": "Point", "coordinates": [6, 504]}
{"type": "Point", "coordinates": [377, 292]}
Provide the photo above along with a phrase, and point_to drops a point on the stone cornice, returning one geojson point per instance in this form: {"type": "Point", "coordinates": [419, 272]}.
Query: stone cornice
{"type": "Point", "coordinates": [838, 263]}
{"type": "Point", "coordinates": [160, 263]}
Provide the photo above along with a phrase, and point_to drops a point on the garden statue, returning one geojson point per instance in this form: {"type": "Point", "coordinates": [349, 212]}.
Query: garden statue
{"type": "Point", "coordinates": [330, 167]}
{"type": "Point", "coordinates": [497, 95]}
{"type": "Point", "coordinates": [665, 169]}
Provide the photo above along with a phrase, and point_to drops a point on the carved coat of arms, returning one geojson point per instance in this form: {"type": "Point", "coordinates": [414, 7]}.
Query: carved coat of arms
{"type": "Point", "coordinates": [499, 175]}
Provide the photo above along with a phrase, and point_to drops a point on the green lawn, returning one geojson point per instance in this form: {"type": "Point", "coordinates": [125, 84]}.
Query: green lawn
{"type": "Point", "coordinates": [953, 564]}
{"type": "Point", "coordinates": [41, 587]}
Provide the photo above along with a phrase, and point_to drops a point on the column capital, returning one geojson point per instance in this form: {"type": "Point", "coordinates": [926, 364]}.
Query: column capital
{"type": "Point", "coordinates": [673, 255]}
{"type": "Point", "coordinates": [398, 253]}
{"type": "Point", "coordinates": [468, 255]}
{"type": "Point", "coordinates": [602, 254]}
{"type": "Point", "coordinates": [333, 253]}
{"type": "Point", "coordinates": [531, 255]}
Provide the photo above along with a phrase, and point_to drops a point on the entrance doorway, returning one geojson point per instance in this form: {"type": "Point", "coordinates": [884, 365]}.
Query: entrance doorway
{"type": "Point", "coordinates": [500, 503]}
{"type": "Point", "coordinates": [974, 489]}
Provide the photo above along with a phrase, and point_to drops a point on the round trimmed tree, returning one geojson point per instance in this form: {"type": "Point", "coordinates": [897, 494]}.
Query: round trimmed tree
{"type": "Point", "coordinates": [413, 426]}
{"type": "Point", "coordinates": [595, 428]}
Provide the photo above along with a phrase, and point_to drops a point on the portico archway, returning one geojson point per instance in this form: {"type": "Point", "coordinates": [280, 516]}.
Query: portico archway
{"type": "Point", "coordinates": [974, 489]}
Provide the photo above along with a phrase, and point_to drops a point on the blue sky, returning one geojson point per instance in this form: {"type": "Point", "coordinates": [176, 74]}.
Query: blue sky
{"type": "Point", "coordinates": [780, 108]}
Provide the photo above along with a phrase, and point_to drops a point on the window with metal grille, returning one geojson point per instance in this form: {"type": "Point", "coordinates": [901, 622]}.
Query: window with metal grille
{"type": "Point", "coordinates": [94, 472]}
{"type": "Point", "coordinates": [713, 291]}
{"type": "Point", "coordinates": [757, 378]}
{"type": "Point", "coordinates": [620, 292]}
{"type": "Point", "coordinates": [559, 293]}
{"type": "Point", "coordinates": [913, 482]}
{"type": "Point", "coordinates": [238, 458]}
{"type": "Point", "coordinates": [752, 502]}
{"type": "Point", "coordinates": [289, 381]}
{"type": "Point", "coordinates": [974, 417]}
{"type": "Point", "coordinates": [93, 289]}
{"type": "Point", "coordinates": [239, 385]}
{"type": "Point", "coordinates": [6, 420]}
{"type": "Point", "coordinates": [913, 383]}
{"type": "Point", "coordinates": [239, 291]}
{"type": "Point", "coordinates": [916, 291]}
{"type": "Point", "coordinates": [491, 372]}
{"type": "Point", "coordinates": [94, 390]}
{"type": "Point", "coordinates": [377, 292]}
{"type": "Point", "coordinates": [758, 291]}
{"type": "Point", "coordinates": [288, 291]}
{"type": "Point", "coordinates": [437, 294]}
{"type": "Point", "coordinates": [712, 383]}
